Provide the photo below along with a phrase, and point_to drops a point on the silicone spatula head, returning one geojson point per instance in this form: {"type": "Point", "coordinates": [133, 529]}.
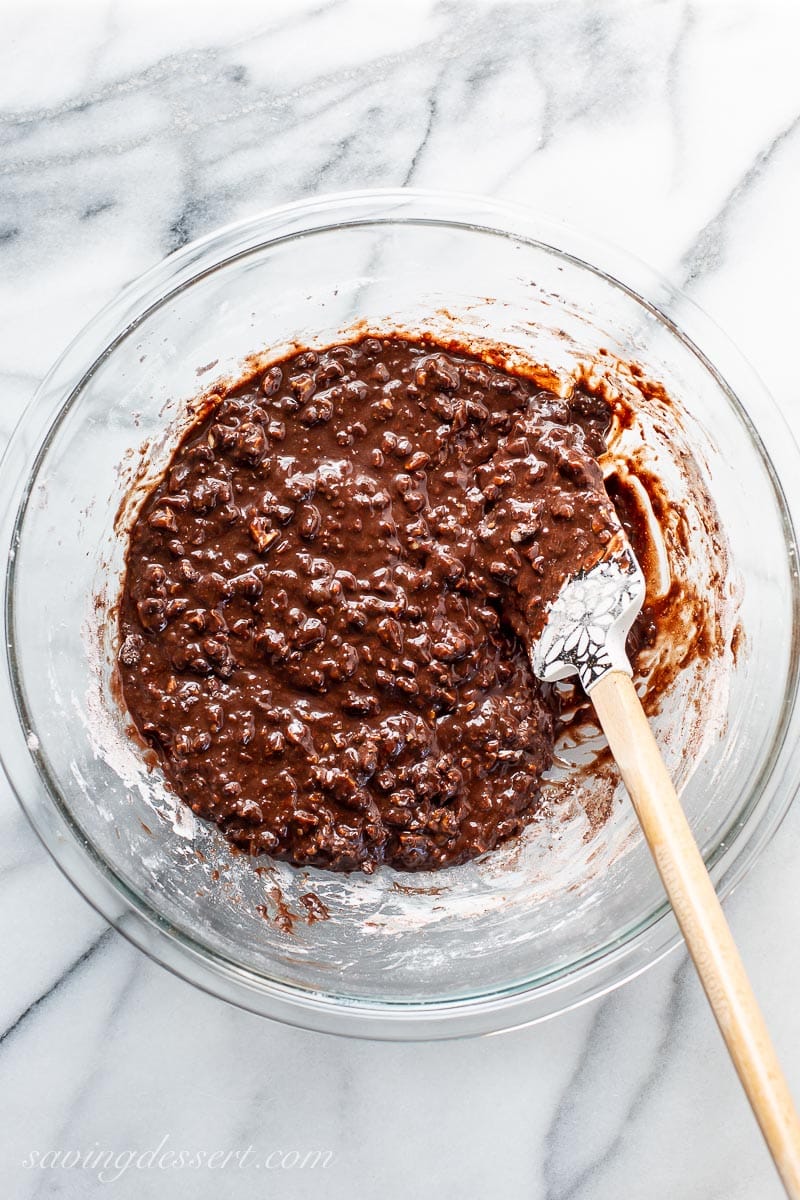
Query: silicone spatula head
{"type": "Point", "coordinates": [587, 624]}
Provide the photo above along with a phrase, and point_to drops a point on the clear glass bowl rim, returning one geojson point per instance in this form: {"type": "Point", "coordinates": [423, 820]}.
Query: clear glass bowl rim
{"type": "Point", "coordinates": [95, 879]}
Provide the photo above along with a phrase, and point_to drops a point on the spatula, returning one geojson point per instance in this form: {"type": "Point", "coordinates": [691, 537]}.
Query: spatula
{"type": "Point", "coordinates": [585, 631]}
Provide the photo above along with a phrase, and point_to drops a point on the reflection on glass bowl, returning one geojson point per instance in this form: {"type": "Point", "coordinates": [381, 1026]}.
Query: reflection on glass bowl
{"type": "Point", "coordinates": [543, 923]}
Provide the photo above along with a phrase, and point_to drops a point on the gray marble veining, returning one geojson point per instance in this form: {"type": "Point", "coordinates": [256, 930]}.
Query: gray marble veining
{"type": "Point", "coordinates": [125, 131]}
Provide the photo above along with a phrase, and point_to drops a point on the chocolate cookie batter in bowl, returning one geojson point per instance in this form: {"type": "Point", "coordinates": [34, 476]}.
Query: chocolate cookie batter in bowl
{"type": "Point", "coordinates": [265, 704]}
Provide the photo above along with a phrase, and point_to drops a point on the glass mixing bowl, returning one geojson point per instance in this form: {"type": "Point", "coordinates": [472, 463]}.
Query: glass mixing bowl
{"type": "Point", "coordinates": [541, 924]}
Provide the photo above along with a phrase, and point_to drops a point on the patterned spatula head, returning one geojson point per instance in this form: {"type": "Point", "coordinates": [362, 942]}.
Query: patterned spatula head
{"type": "Point", "coordinates": [588, 622]}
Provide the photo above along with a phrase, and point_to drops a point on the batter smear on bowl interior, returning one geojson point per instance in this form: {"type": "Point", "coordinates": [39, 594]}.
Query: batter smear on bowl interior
{"type": "Point", "coordinates": [321, 614]}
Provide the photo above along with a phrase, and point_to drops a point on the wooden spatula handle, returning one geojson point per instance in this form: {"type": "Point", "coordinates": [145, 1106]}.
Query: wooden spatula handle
{"type": "Point", "coordinates": [701, 919]}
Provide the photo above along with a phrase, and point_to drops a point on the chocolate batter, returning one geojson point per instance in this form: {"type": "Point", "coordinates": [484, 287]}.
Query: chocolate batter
{"type": "Point", "coordinates": [326, 595]}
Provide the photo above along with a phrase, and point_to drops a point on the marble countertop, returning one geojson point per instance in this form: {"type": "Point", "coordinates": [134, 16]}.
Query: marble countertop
{"type": "Point", "coordinates": [126, 130]}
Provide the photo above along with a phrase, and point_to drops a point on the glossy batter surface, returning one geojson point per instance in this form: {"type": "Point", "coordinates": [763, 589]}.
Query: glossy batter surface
{"type": "Point", "coordinates": [317, 620]}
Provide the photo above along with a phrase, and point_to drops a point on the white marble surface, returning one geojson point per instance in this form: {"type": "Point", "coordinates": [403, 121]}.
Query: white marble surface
{"type": "Point", "coordinates": [126, 129]}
